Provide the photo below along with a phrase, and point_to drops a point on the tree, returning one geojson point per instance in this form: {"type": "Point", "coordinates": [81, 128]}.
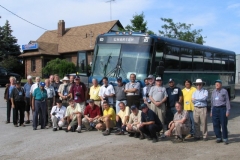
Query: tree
{"type": "Point", "coordinates": [61, 67]}
{"type": "Point", "coordinates": [12, 64]}
{"type": "Point", "coordinates": [8, 43]}
{"type": "Point", "coordinates": [138, 24]}
{"type": "Point", "coordinates": [181, 31]}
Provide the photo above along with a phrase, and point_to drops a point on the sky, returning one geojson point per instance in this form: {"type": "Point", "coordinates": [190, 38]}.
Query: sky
{"type": "Point", "coordinates": [219, 19]}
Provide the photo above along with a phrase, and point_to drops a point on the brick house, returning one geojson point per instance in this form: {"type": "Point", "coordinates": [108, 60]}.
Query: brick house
{"type": "Point", "coordinates": [75, 44]}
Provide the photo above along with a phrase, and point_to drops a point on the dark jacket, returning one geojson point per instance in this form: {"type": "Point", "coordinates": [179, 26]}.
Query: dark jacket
{"type": "Point", "coordinates": [6, 94]}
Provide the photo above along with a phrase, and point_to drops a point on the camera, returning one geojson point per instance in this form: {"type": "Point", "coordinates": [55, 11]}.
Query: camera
{"type": "Point", "coordinates": [54, 113]}
{"type": "Point", "coordinates": [77, 94]}
{"type": "Point", "coordinates": [147, 95]}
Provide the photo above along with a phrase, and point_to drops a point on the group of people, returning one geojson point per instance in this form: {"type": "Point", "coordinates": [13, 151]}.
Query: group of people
{"type": "Point", "coordinates": [167, 111]}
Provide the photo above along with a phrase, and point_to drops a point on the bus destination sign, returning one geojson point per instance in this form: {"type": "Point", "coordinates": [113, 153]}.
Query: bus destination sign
{"type": "Point", "coordinates": [123, 39]}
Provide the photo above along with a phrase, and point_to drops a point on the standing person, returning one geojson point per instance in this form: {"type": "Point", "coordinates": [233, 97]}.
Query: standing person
{"type": "Point", "coordinates": [120, 94]}
{"type": "Point", "coordinates": [27, 88]}
{"type": "Point", "coordinates": [18, 104]}
{"type": "Point", "coordinates": [71, 80]}
{"type": "Point", "coordinates": [180, 125]}
{"type": "Point", "coordinates": [106, 92]}
{"type": "Point", "coordinates": [64, 91]}
{"type": "Point", "coordinates": [50, 102]}
{"type": "Point", "coordinates": [51, 78]}
{"type": "Point", "coordinates": [188, 104]}
{"type": "Point", "coordinates": [122, 118]}
{"type": "Point", "coordinates": [158, 96]}
{"type": "Point", "coordinates": [199, 99]}
{"type": "Point", "coordinates": [174, 95]}
{"type": "Point", "coordinates": [150, 124]}
{"type": "Point", "coordinates": [94, 92]}
{"type": "Point", "coordinates": [149, 82]}
{"type": "Point", "coordinates": [56, 85]}
{"type": "Point", "coordinates": [132, 90]}
{"type": "Point", "coordinates": [58, 114]}
{"type": "Point", "coordinates": [7, 93]}
{"type": "Point", "coordinates": [39, 98]}
{"type": "Point", "coordinates": [78, 92]}
{"type": "Point", "coordinates": [134, 122]}
{"type": "Point", "coordinates": [91, 115]}
{"type": "Point", "coordinates": [35, 85]}
{"type": "Point", "coordinates": [220, 109]}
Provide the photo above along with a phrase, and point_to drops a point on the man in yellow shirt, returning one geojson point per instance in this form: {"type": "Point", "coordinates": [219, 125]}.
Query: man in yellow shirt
{"type": "Point", "coordinates": [94, 91]}
{"type": "Point", "coordinates": [188, 105]}
{"type": "Point", "coordinates": [108, 120]}
{"type": "Point", "coordinates": [122, 118]}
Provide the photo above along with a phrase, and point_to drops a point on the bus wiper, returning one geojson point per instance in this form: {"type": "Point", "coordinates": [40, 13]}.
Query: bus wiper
{"type": "Point", "coordinates": [116, 71]}
{"type": "Point", "coordinates": [106, 65]}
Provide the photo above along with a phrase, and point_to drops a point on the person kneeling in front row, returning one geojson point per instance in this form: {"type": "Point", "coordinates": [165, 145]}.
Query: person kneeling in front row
{"type": "Point", "coordinates": [134, 122]}
{"type": "Point", "coordinates": [74, 116]}
{"type": "Point", "coordinates": [122, 118]}
{"type": "Point", "coordinates": [180, 125]}
{"type": "Point", "coordinates": [58, 114]}
{"type": "Point", "coordinates": [108, 120]}
{"type": "Point", "coordinates": [150, 124]}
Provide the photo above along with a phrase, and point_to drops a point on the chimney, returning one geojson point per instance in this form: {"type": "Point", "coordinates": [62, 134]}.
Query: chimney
{"type": "Point", "coordinates": [61, 28]}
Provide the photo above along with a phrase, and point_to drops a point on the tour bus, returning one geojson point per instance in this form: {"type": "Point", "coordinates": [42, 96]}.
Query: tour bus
{"type": "Point", "coordinates": [119, 54]}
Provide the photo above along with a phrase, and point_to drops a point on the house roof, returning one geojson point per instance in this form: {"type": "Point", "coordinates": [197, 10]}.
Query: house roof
{"type": "Point", "coordinates": [74, 39]}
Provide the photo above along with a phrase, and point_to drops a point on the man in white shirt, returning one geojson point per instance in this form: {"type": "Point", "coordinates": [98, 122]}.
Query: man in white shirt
{"type": "Point", "coordinates": [106, 92]}
{"type": "Point", "coordinates": [58, 113]}
{"type": "Point", "coordinates": [35, 85]}
{"type": "Point", "coordinates": [134, 122]}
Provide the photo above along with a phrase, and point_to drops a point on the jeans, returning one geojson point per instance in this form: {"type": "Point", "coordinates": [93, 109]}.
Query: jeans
{"type": "Point", "coordinates": [190, 114]}
{"type": "Point", "coordinates": [220, 120]}
{"type": "Point", "coordinates": [151, 130]}
{"type": "Point", "coordinates": [117, 105]}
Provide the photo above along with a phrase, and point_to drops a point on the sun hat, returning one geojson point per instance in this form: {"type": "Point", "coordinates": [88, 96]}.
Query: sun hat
{"type": "Point", "coordinates": [199, 81]}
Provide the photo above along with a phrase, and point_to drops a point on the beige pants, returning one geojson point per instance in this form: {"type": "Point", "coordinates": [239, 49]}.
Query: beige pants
{"type": "Point", "coordinates": [86, 123]}
{"type": "Point", "coordinates": [98, 103]}
{"type": "Point", "coordinates": [160, 112]}
{"type": "Point", "coordinates": [200, 120]}
{"type": "Point", "coordinates": [180, 130]}
{"type": "Point", "coordinates": [135, 128]}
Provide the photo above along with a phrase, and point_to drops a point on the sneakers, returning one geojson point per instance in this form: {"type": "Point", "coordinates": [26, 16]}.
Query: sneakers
{"type": "Point", "coordinates": [22, 125]}
{"type": "Point", "coordinates": [132, 134]}
{"type": "Point", "coordinates": [136, 135]}
{"type": "Point", "coordinates": [27, 122]}
{"type": "Point", "coordinates": [218, 140]}
{"type": "Point", "coordinates": [226, 142]}
{"type": "Point", "coordinates": [106, 132]}
{"type": "Point", "coordinates": [189, 136]}
{"type": "Point", "coordinates": [142, 137]}
{"type": "Point", "coordinates": [119, 133]}
{"type": "Point", "coordinates": [177, 140]}
{"type": "Point", "coordinates": [154, 140]}
{"type": "Point", "coordinates": [78, 129]}
{"type": "Point", "coordinates": [54, 129]}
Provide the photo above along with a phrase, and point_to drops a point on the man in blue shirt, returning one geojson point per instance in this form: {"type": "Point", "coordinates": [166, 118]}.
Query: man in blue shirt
{"type": "Point", "coordinates": [150, 124]}
{"type": "Point", "coordinates": [39, 105]}
{"type": "Point", "coordinates": [27, 88]}
{"type": "Point", "coordinates": [220, 109]}
{"type": "Point", "coordinates": [199, 99]}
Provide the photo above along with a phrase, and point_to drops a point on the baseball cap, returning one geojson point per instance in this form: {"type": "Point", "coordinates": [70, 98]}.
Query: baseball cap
{"type": "Point", "coordinates": [158, 79]}
{"type": "Point", "coordinates": [143, 106]}
{"type": "Point", "coordinates": [42, 84]}
{"type": "Point", "coordinates": [90, 101]}
{"type": "Point", "coordinates": [218, 81]}
{"type": "Point", "coordinates": [119, 78]}
{"type": "Point", "coordinates": [77, 77]}
{"type": "Point", "coordinates": [133, 107]}
{"type": "Point", "coordinates": [150, 76]}
{"type": "Point", "coordinates": [171, 80]}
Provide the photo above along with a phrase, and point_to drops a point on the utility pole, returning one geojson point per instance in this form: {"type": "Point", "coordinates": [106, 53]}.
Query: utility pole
{"type": "Point", "coordinates": [110, 1]}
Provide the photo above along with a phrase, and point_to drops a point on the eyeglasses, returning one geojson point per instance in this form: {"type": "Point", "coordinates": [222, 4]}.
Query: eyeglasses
{"type": "Point", "coordinates": [198, 84]}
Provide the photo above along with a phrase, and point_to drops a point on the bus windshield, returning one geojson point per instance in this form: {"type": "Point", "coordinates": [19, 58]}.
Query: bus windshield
{"type": "Point", "coordinates": [113, 60]}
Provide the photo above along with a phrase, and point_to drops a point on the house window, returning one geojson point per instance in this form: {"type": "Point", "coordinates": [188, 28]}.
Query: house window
{"type": "Point", "coordinates": [69, 59]}
{"type": "Point", "coordinates": [33, 64]}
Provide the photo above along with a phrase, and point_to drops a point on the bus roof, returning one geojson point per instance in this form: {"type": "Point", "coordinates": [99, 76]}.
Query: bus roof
{"type": "Point", "coordinates": [171, 41]}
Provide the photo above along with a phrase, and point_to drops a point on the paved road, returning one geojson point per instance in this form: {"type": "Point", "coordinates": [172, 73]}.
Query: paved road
{"type": "Point", "coordinates": [24, 143]}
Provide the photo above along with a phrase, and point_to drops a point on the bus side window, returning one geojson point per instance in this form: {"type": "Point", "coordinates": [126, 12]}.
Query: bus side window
{"type": "Point", "coordinates": [159, 48]}
{"type": "Point", "coordinates": [225, 62]}
{"type": "Point", "coordinates": [197, 60]}
{"type": "Point", "coordinates": [232, 63]}
{"type": "Point", "coordinates": [186, 59]}
{"type": "Point", "coordinates": [217, 62]}
{"type": "Point", "coordinates": [172, 61]}
{"type": "Point", "coordinates": [208, 60]}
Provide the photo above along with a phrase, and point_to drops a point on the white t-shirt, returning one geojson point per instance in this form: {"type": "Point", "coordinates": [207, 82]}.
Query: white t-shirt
{"type": "Point", "coordinates": [107, 90]}
{"type": "Point", "coordinates": [33, 87]}
{"type": "Point", "coordinates": [60, 112]}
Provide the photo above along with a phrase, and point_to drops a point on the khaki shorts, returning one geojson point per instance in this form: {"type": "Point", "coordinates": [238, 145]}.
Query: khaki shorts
{"type": "Point", "coordinates": [73, 123]}
{"type": "Point", "coordinates": [112, 124]}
